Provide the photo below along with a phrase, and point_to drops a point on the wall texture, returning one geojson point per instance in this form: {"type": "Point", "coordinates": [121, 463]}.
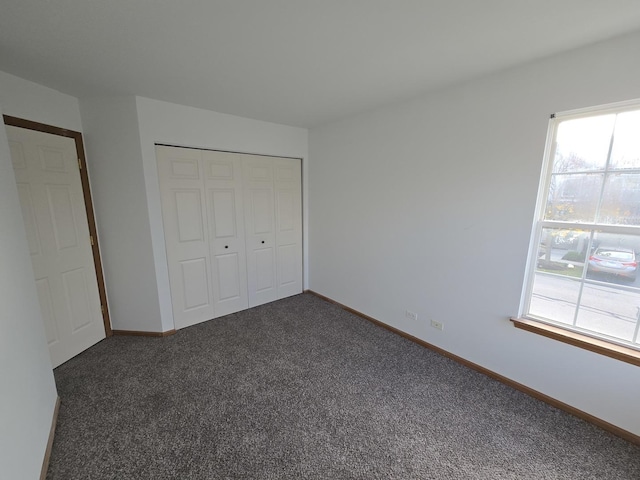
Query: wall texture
{"type": "Point", "coordinates": [427, 206]}
{"type": "Point", "coordinates": [24, 99]}
{"type": "Point", "coordinates": [118, 189]}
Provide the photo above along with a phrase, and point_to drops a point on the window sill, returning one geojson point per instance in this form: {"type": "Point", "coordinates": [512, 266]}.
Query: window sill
{"type": "Point", "coordinates": [602, 347]}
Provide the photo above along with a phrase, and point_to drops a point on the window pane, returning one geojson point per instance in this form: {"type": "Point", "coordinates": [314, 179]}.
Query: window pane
{"type": "Point", "coordinates": [613, 259]}
{"type": "Point", "coordinates": [626, 143]}
{"type": "Point", "coordinates": [621, 199]}
{"type": "Point", "coordinates": [554, 297]}
{"type": "Point", "coordinates": [583, 144]}
{"type": "Point", "coordinates": [609, 310]}
{"type": "Point", "coordinates": [562, 252]}
{"type": "Point", "coordinates": [574, 198]}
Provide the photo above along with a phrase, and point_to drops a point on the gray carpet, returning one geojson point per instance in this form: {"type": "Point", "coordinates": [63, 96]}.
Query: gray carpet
{"type": "Point", "coordinates": [301, 389]}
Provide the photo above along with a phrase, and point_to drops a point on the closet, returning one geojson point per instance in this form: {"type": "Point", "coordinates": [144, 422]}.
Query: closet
{"type": "Point", "coordinates": [232, 228]}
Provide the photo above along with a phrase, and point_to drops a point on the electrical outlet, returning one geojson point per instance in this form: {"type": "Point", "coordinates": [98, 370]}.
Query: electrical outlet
{"type": "Point", "coordinates": [411, 315]}
{"type": "Point", "coordinates": [437, 325]}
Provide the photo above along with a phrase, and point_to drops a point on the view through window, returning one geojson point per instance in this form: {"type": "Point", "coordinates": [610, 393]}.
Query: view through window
{"type": "Point", "coordinates": [583, 274]}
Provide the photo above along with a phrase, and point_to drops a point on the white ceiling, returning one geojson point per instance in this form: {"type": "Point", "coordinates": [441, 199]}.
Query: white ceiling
{"type": "Point", "coordinates": [296, 62]}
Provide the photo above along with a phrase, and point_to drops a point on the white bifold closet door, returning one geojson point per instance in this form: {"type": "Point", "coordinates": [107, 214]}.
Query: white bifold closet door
{"type": "Point", "coordinates": [226, 231]}
{"type": "Point", "coordinates": [233, 230]}
{"type": "Point", "coordinates": [186, 234]}
{"type": "Point", "coordinates": [288, 207]}
{"type": "Point", "coordinates": [273, 216]}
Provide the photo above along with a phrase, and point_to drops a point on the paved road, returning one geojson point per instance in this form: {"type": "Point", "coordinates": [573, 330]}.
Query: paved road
{"type": "Point", "coordinates": [606, 309]}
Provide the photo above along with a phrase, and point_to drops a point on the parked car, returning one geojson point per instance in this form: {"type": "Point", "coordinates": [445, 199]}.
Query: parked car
{"type": "Point", "coordinates": [614, 260]}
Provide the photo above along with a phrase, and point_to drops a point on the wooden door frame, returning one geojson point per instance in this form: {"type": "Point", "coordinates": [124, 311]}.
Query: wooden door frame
{"type": "Point", "coordinates": [88, 204]}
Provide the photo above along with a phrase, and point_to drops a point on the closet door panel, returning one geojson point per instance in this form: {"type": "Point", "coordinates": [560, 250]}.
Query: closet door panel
{"type": "Point", "coordinates": [229, 278]}
{"type": "Point", "coordinates": [260, 229]}
{"type": "Point", "coordinates": [195, 283]}
{"type": "Point", "coordinates": [185, 228]}
{"type": "Point", "coordinates": [264, 270]}
{"type": "Point", "coordinates": [188, 213]}
{"type": "Point", "coordinates": [288, 214]}
{"type": "Point", "coordinates": [223, 180]}
{"type": "Point", "coordinates": [287, 270]}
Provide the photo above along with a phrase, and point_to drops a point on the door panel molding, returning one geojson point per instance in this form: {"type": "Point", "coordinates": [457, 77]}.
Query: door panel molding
{"type": "Point", "coordinates": [86, 191]}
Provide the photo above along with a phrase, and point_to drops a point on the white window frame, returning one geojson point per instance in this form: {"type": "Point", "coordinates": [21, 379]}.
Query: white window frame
{"type": "Point", "coordinates": [539, 223]}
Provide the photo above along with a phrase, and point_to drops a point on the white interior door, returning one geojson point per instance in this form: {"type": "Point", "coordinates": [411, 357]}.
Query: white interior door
{"type": "Point", "coordinates": [223, 183]}
{"type": "Point", "coordinates": [53, 210]}
{"type": "Point", "coordinates": [186, 234]}
{"type": "Point", "coordinates": [258, 174]}
{"type": "Point", "coordinates": [288, 214]}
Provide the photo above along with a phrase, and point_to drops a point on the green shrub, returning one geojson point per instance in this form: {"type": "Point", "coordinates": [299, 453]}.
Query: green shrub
{"type": "Point", "coordinates": [573, 256]}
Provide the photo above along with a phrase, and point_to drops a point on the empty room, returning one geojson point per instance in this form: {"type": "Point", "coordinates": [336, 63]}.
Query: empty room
{"type": "Point", "coordinates": [360, 239]}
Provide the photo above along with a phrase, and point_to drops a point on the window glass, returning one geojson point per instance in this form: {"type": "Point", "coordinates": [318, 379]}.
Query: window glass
{"type": "Point", "coordinates": [626, 145]}
{"type": "Point", "coordinates": [583, 144]}
{"type": "Point", "coordinates": [574, 197]}
{"type": "Point", "coordinates": [614, 258]}
{"type": "Point", "coordinates": [621, 199]}
{"type": "Point", "coordinates": [554, 297]}
{"type": "Point", "coordinates": [562, 252]}
{"type": "Point", "coordinates": [609, 310]}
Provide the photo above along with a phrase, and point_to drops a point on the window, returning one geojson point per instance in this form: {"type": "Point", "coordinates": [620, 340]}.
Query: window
{"type": "Point", "coordinates": [583, 264]}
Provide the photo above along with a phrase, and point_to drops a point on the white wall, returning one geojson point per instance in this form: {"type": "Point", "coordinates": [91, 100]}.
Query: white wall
{"type": "Point", "coordinates": [24, 99]}
{"type": "Point", "coordinates": [118, 189]}
{"type": "Point", "coordinates": [28, 390]}
{"type": "Point", "coordinates": [427, 206]}
{"type": "Point", "coordinates": [167, 123]}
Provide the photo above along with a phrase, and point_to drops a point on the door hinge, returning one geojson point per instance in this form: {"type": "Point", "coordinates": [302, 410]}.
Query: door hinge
{"type": "Point", "coordinates": [102, 309]}
{"type": "Point", "coordinates": [79, 164]}
{"type": "Point", "coordinates": [92, 240]}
